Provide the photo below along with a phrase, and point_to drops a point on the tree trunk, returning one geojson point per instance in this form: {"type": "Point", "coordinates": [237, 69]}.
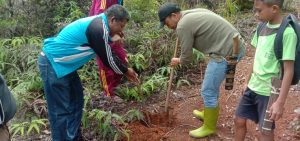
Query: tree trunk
{"type": "Point", "coordinates": [10, 8]}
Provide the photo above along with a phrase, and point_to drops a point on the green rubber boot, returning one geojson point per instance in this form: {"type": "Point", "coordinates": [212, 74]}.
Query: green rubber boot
{"type": "Point", "coordinates": [198, 114]}
{"type": "Point", "coordinates": [210, 123]}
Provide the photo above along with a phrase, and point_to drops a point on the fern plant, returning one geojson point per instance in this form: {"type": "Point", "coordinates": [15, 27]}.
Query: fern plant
{"type": "Point", "coordinates": [232, 7]}
{"type": "Point", "coordinates": [85, 114]}
{"type": "Point", "coordinates": [138, 61]}
{"type": "Point", "coordinates": [133, 115]}
{"type": "Point", "coordinates": [181, 82]}
{"type": "Point", "coordinates": [110, 125]}
{"type": "Point", "coordinates": [28, 127]}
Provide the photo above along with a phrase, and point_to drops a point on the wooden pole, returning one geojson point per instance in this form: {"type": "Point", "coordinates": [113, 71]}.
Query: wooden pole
{"type": "Point", "coordinates": [171, 78]}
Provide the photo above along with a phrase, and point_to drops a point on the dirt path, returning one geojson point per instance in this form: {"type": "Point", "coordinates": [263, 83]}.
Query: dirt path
{"type": "Point", "coordinates": [186, 99]}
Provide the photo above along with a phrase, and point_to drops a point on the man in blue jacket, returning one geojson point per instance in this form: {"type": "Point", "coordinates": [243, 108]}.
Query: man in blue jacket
{"type": "Point", "coordinates": [63, 54]}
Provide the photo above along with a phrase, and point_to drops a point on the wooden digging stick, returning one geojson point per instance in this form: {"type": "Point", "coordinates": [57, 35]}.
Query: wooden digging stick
{"type": "Point", "coordinates": [171, 78]}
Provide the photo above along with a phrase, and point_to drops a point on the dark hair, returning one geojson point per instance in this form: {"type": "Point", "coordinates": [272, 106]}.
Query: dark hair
{"type": "Point", "coordinates": [273, 2]}
{"type": "Point", "coordinates": [117, 11]}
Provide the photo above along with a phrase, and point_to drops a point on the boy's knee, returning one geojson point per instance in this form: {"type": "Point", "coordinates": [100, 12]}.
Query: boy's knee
{"type": "Point", "coordinates": [240, 122]}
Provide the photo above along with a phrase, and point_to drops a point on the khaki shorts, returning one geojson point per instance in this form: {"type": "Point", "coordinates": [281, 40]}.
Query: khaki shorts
{"type": "Point", "coordinates": [4, 133]}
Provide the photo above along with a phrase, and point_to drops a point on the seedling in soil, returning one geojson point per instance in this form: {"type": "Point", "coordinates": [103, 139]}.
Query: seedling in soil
{"type": "Point", "coordinates": [159, 119]}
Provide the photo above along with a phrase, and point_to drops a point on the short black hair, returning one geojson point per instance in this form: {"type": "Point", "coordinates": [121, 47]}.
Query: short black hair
{"type": "Point", "coordinates": [117, 11]}
{"type": "Point", "coordinates": [273, 2]}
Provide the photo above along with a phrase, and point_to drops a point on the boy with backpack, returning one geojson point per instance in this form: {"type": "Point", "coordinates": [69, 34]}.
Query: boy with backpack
{"type": "Point", "coordinates": [276, 51]}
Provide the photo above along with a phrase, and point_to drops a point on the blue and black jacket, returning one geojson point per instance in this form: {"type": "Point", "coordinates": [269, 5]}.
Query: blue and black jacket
{"type": "Point", "coordinates": [78, 43]}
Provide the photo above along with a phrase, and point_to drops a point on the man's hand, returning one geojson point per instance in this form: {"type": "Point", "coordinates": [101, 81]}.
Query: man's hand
{"type": "Point", "coordinates": [175, 61]}
{"type": "Point", "coordinates": [117, 39]}
{"type": "Point", "coordinates": [231, 59]}
{"type": "Point", "coordinates": [121, 34]}
{"type": "Point", "coordinates": [276, 111]}
{"type": "Point", "coordinates": [132, 76]}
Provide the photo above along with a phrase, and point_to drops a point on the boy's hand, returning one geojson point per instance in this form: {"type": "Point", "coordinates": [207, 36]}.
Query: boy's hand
{"type": "Point", "coordinates": [132, 76]}
{"type": "Point", "coordinates": [117, 39]}
{"type": "Point", "coordinates": [175, 61]}
{"type": "Point", "coordinates": [276, 111]}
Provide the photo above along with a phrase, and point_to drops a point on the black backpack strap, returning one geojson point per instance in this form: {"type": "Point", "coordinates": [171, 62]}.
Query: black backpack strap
{"type": "Point", "coordinates": [278, 44]}
{"type": "Point", "coordinates": [294, 23]}
{"type": "Point", "coordinates": [260, 28]}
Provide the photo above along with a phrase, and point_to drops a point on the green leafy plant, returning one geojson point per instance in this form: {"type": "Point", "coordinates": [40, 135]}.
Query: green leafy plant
{"type": "Point", "coordinates": [155, 82]}
{"type": "Point", "coordinates": [67, 15]}
{"type": "Point", "coordinates": [142, 10]}
{"type": "Point", "coordinates": [17, 43]}
{"type": "Point", "coordinates": [197, 56]}
{"type": "Point", "coordinates": [165, 71]}
{"type": "Point", "coordinates": [110, 125]}
{"type": "Point", "coordinates": [89, 76]}
{"type": "Point", "coordinates": [20, 70]}
{"type": "Point", "coordinates": [85, 114]}
{"type": "Point", "coordinates": [232, 7]}
{"type": "Point", "coordinates": [28, 127]}
{"type": "Point", "coordinates": [138, 61]}
{"type": "Point", "coordinates": [133, 115]}
{"type": "Point", "coordinates": [129, 93]}
{"type": "Point", "coordinates": [181, 82]}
